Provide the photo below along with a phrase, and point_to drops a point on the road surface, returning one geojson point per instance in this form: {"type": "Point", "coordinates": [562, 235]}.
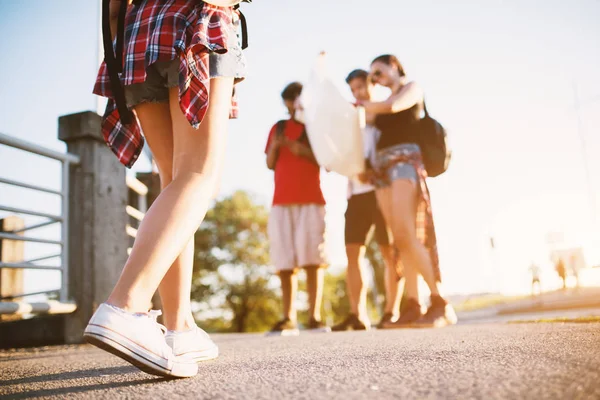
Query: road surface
{"type": "Point", "coordinates": [491, 361]}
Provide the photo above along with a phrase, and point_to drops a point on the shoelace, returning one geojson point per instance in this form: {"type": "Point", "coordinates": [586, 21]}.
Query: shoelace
{"type": "Point", "coordinates": [154, 314]}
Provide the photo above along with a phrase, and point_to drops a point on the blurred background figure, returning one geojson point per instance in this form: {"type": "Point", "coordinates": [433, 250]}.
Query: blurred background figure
{"type": "Point", "coordinates": [297, 220]}
{"type": "Point", "coordinates": [561, 270]}
{"type": "Point", "coordinates": [536, 272]}
{"type": "Point", "coordinates": [364, 219]}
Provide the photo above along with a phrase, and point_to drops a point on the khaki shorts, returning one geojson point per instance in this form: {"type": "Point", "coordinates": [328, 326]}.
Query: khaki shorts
{"type": "Point", "coordinates": [297, 236]}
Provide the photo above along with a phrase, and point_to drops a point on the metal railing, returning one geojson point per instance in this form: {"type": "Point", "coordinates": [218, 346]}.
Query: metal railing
{"type": "Point", "coordinates": [66, 161]}
{"type": "Point", "coordinates": [138, 210]}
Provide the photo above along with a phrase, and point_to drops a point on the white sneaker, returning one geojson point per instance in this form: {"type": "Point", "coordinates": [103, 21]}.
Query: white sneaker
{"type": "Point", "coordinates": [138, 339]}
{"type": "Point", "coordinates": [194, 344]}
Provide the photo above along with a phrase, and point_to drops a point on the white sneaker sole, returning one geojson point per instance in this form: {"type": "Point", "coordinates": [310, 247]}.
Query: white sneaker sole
{"type": "Point", "coordinates": [133, 353]}
{"type": "Point", "coordinates": [287, 332]}
{"type": "Point", "coordinates": [204, 355]}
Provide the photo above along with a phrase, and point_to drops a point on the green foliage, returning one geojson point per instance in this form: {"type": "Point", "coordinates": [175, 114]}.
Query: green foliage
{"type": "Point", "coordinates": [231, 281]}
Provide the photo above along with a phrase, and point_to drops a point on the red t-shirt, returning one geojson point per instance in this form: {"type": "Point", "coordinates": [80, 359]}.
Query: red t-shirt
{"type": "Point", "coordinates": [297, 179]}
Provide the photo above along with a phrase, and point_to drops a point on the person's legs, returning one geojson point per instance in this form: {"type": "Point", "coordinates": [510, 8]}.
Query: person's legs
{"type": "Point", "coordinates": [386, 204]}
{"type": "Point", "coordinates": [440, 313]}
{"type": "Point", "coordinates": [289, 291]}
{"type": "Point", "coordinates": [175, 287]}
{"type": "Point", "coordinates": [309, 240]}
{"type": "Point", "coordinates": [315, 277]}
{"type": "Point", "coordinates": [393, 283]}
{"type": "Point", "coordinates": [357, 292]}
{"type": "Point", "coordinates": [404, 198]}
{"type": "Point", "coordinates": [283, 257]}
{"type": "Point", "coordinates": [359, 221]}
{"type": "Point", "coordinates": [178, 211]}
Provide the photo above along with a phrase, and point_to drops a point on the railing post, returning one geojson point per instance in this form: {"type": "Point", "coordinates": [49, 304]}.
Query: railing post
{"type": "Point", "coordinates": [11, 280]}
{"type": "Point", "coordinates": [97, 219]}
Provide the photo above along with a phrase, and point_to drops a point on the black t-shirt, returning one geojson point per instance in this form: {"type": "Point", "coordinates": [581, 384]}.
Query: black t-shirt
{"type": "Point", "coordinates": [398, 128]}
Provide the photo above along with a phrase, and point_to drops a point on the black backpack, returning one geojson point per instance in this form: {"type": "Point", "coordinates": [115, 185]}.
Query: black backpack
{"type": "Point", "coordinates": [434, 147]}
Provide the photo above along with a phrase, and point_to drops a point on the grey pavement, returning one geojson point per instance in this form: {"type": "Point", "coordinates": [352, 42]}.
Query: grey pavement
{"type": "Point", "coordinates": [491, 361]}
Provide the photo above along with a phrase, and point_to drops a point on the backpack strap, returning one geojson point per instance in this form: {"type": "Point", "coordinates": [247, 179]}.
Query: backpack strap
{"type": "Point", "coordinates": [114, 64]}
{"type": "Point", "coordinates": [244, 25]}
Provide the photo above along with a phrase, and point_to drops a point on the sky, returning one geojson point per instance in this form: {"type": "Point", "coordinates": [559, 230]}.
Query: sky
{"type": "Point", "coordinates": [500, 75]}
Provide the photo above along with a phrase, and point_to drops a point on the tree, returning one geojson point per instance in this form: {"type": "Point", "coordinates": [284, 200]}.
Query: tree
{"type": "Point", "coordinates": [231, 279]}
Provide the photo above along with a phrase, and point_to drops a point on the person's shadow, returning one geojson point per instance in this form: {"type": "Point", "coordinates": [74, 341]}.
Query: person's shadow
{"type": "Point", "coordinates": [10, 388]}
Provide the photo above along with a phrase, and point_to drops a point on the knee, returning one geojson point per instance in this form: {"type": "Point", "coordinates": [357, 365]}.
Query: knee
{"type": "Point", "coordinates": [165, 179]}
{"type": "Point", "coordinates": [404, 238]}
{"type": "Point", "coordinates": [287, 273]}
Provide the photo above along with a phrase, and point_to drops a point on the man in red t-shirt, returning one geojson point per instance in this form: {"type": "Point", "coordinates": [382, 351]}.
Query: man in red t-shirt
{"type": "Point", "coordinates": [297, 220]}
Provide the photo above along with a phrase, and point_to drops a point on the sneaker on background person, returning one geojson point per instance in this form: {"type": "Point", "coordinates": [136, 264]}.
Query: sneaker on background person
{"type": "Point", "coordinates": [387, 318]}
{"type": "Point", "coordinates": [285, 327]}
{"type": "Point", "coordinates": [352, 323]}
{"type": "Point", "coordinates": [409, 314]}
{"type": "Point", "coordinates": [315, 325]}
{"type": "Point", "coordinates": [439, 314]}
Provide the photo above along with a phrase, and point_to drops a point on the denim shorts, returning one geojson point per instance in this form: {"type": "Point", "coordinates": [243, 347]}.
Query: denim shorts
{"type": "Point", "coordinates": [398, 170]}
{"type": "Point", "coordinates": [162, 75]}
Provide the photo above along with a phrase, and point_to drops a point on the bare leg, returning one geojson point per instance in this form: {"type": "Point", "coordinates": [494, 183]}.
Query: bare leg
{"type": "Point", "coordinates": [180, 208]}
{"type": "Point", "coordinates": [175, 291]}
{"type": "Point", "coordinates": [357, 292]}
{"type": "Point", "coordinates": [175, 287]}
{"type": "Point", "coordinates": [411, 283]}
{"type": "Point", "coordinates": [315, 277]}
{"type": "Point", "coordinates": [404, 195]}
{"type": "Point", "coordinates": [393, 285]}
{"type": "Point", "coordinates": [386, 205]}
{"type": "Point", "coordinates": [289, 290]}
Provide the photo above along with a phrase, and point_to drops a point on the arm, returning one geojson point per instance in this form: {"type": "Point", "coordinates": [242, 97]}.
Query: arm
{"type": "Point", "coordinates": [273, 153]}
{"type": "Point", "coordinates": [301, 150]}
{"type": "Point", "coordinates": [407, 97]}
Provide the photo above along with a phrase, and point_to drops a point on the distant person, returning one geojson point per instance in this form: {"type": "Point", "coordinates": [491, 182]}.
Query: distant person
{"type": "Point", "coordinates": [561, 270]}
{"type": "Point", "coordinates": [181, 94]}
{"type": "Point", "coordinates": [575, 269]}
{"type": "Point", "coordinates": [297, 221]}
{"type": "Point", "coordinates": [363, 218]}
{"type": "Point", "coordinates": [535, 271]}
{"type": "Point", "coordinates": [402, 192]}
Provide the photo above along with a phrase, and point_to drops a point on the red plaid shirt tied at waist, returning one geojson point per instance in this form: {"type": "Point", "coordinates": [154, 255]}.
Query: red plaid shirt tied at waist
{"type": "Point", "coordinates": [165, 30]}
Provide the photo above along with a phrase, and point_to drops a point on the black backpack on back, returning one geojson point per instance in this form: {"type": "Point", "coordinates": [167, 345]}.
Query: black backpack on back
{"type": "Point", "coordinates": [434, 147]}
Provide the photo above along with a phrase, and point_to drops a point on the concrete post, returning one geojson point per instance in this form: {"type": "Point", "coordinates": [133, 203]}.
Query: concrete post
{"type": "Point", "coordinates": [97, 218]}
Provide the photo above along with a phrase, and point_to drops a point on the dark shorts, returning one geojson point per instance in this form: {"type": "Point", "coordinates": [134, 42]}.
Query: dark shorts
{"type": "Point", "coordinates": [364, 217]}
{"type": "Point", "coordinates": [163, 75]}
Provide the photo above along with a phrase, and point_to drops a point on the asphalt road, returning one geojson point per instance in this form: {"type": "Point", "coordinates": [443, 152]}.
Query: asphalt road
{"type": "Point", "coordinates": [491, 361]}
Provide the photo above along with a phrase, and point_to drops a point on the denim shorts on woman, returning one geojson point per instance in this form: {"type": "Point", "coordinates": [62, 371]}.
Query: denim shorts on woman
{"type": "Point", "coordinates": [163, 75]}
{"type": "Point", "coordinates": [399, 170]}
